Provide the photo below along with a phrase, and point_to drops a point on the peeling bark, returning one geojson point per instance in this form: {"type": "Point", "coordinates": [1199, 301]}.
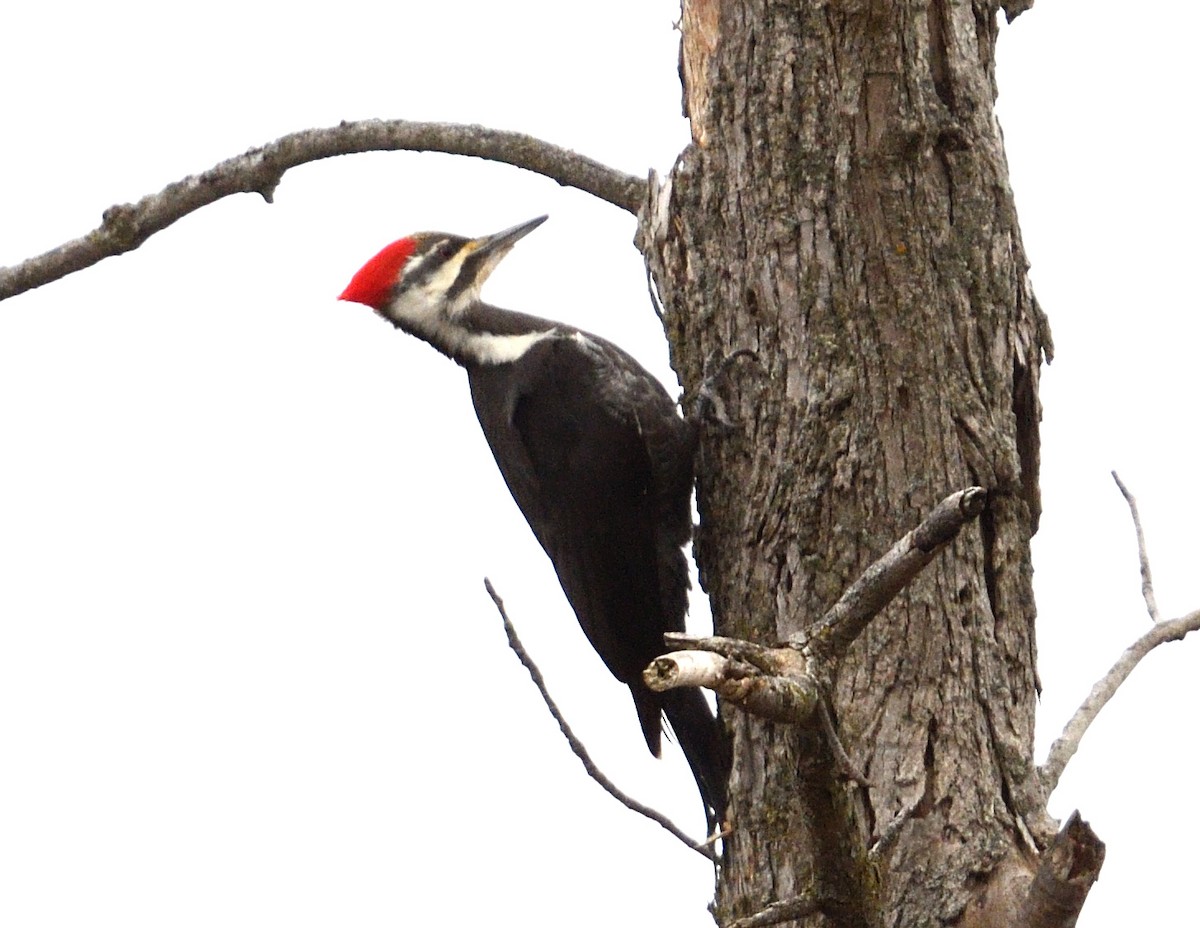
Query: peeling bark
{"type": "Point", "coordinates": [849, 220]}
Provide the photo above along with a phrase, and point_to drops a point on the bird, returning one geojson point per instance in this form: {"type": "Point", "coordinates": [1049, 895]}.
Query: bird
{"type": "Point", "coordinates": [595, 453]}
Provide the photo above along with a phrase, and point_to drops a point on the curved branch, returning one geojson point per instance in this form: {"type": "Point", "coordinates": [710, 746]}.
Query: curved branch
{"type": "Point", "coordinates": [1067, 744]}
{"type": "Point", "coordinates": [126, 226]}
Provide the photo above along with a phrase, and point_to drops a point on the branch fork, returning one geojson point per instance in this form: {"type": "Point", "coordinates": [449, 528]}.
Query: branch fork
{"type": "Point", "coordinates": [1161, 632]}
{"type": "Point", "coordinates": [784, 683]}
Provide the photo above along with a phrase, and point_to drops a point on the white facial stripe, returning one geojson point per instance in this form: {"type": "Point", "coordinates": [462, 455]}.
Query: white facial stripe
{"type": "Point", "coordinates": [424, 308]}
{"type": "Point", "coordinates": [411, 265]}
{"type": "Point", "coordinates": [420, 303]}
{"type": "Point", "coordinates": [443, 279]}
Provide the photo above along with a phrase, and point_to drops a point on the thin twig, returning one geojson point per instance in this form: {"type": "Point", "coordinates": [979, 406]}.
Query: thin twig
{"type": "Point", "coordinates": [887, 838]}
{"type": "Point", "coordinates": [1143, 557]}
{"type": "Point", "coordinates": [1067, 744]}
{"type": "Point", "coordinates": [654, 302]}
{"type": "Point", "coordinates": [780, 660]}
{"type": "Point", "coordinates": [736, 648]}
{"type": "Point", "coordinates": [126, 226]}
{"type": "Point", "coordinates": [576, 745]}
{"type": "Point", "coordinates": [845, 766]}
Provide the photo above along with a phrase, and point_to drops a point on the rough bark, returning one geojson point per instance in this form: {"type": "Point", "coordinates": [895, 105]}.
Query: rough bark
{"type": "Point", "coordinates": [848, 218]}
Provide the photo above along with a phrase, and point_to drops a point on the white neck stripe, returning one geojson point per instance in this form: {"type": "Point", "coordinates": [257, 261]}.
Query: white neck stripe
{"type": "Point", "coordinates": [485, 348]}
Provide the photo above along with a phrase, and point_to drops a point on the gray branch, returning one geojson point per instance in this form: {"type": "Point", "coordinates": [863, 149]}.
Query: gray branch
{"type": "Point", "coordinates": [126, 226]}
{"type": "Point", "coordinates": [1143, 557]}
{"type": "Point", "coordinates": [1067, 744]}
{"type": "Point", "coordinates": [783, 683]}
{"type": "Point", "coordinates": [576, 745]}
{"type": "Point", "coordinates": [827, 639]}
{"type": "Point", "coordinates": [832, 635]}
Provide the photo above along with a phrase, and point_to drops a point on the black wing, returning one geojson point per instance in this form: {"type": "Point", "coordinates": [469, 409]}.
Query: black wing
{"type": "Point", "coordinates": [599, 462]}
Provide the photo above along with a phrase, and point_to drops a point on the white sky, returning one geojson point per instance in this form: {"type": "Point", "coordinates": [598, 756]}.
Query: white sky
{"type": "Point", "coordinates": [248, 671]}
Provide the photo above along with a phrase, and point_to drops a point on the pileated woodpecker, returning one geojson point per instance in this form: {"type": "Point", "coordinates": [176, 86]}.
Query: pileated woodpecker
{"type": "Point", "coordinates": [595, 455]}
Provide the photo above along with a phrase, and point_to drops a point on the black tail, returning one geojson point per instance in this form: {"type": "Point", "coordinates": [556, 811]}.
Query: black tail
{"type": "Point", "coordinates": [704, 744]}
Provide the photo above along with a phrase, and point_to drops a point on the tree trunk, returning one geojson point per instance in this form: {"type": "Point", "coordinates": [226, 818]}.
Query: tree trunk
{"type": "Point", "coordinates": [845, 214]}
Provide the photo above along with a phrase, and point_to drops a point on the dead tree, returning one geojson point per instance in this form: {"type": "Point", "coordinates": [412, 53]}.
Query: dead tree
{"type": "Point", "coordinates": [841, 277]}
{"type": "Point", "coordinates": [844, 214]}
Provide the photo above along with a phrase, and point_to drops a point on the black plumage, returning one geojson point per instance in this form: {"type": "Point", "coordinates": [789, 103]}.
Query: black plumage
{"type": "Point", "coordinates": [593, 451]}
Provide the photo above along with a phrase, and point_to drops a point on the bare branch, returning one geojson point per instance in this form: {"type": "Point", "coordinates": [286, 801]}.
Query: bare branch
{"type": "Point", "coordinates": [783, 684]}
{"type": "Point", "coordinates": [866, 597]}
{"type": "Point", "coordinates": [126, 226]}
{"type": "Point", "coordinates": [1065, 874]}
{"type": "Point", "coordinates": [1067, 744]}
{"type": "Point", "coordinates": [845, 766]}
{"type": "Point", "coordinates": [576, 745]}
{"type": "Point", "coordinates": [778, 688]}
{"type": "Point", "coordinates": [829, 637]}
{"type": "Point", "coordinates": [1143, 557]}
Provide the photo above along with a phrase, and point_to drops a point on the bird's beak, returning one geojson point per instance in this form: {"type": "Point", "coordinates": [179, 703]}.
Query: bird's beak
{"type": "Point", "coordinates": [502, 241]}
{"type": "Point", "coordinates": [487, 252]}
